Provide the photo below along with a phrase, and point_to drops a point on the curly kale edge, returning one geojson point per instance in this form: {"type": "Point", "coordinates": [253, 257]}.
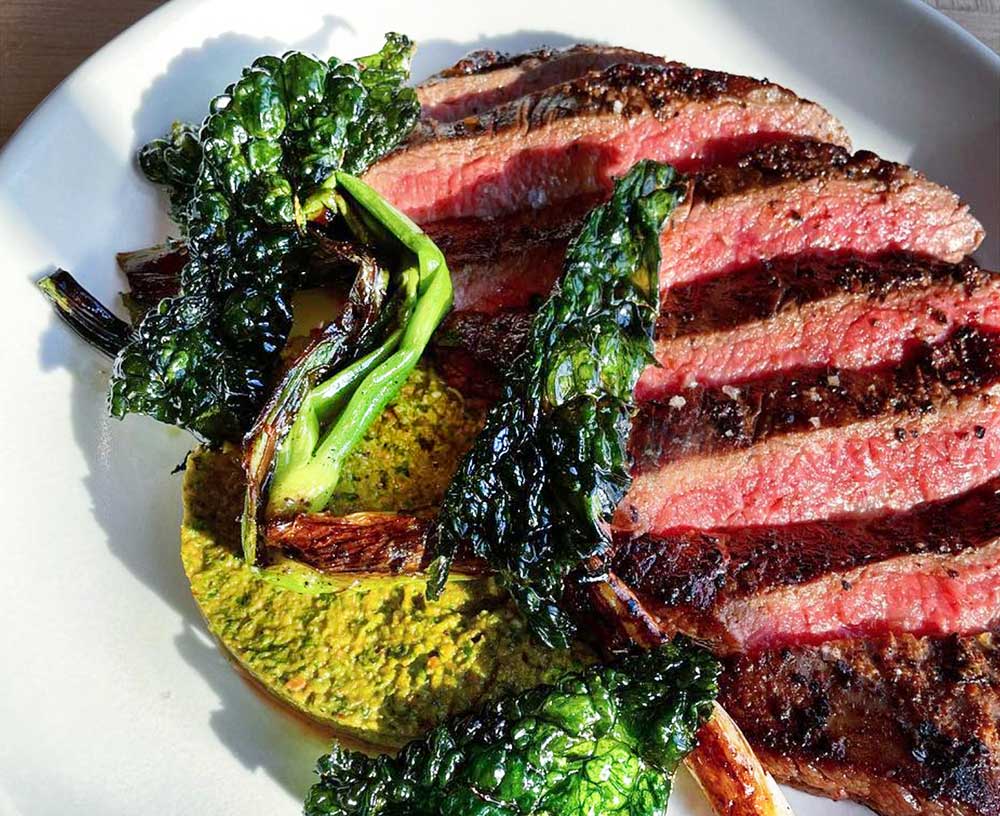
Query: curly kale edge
{"type": "Point", "coordinates": [606, 740]}
{"type": "Point", "coordinates": [535, 494]}
{"type": "Point", "coordinates": [205, 358]}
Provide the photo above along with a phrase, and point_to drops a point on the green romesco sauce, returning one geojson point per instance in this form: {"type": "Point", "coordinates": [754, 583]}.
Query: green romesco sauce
{"type": "Point", "coordinates": [378, 662]}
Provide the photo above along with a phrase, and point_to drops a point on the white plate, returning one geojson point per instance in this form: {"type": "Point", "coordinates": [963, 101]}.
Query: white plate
{"type": "Point", "coordinates": [113, 700]}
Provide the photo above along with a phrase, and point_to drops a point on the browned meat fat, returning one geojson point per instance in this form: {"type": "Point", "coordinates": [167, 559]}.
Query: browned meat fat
{"type": "Point", "coordinates": [904, 725]}
{"type": "Point", "coordinates": [484, 79]}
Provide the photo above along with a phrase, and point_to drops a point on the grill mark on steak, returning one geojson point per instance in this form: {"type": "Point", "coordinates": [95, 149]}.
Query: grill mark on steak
{"type": "Point", "coordinates": [789, 313]}
{"type": "Point", "coordinates": [905, 725]}
{"type": "Point", "coordinates": [484, 79]}
{"type": "Point", "coordinates": [932, 569]}
{"type": "Point", "coordinates": [819, 202]}
{"type": "Point", "coordinates": [709, 420]}
{"type": "Point", "coordinates": [771, 287]}
{"type": "Point", "coordinates": [696, 568]}
{"type": "Point", "coordinates": [574, 138]}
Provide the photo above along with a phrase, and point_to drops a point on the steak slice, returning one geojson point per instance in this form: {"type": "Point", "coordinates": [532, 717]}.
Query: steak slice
{"type": "Point", "coordinates": [931, 570]}
{"type": "Point", "coordinates": [780, 315]}
{"type": "Point", "coordinates": [484, 79]}
{"type": "Point", "coordinates": [806, 311]}
{"type": "Point", "coordinates": [472, 349]}
{"type": "Point", "coordinates": [802, 197]}
{"type": "Point", "coordinates": [509, 262]}
{"type": "Point", "coordinates": [793, 200]}
{"type": "Point", "coordinates": [573, 139]}
{"type": "Point", "coordinates": [799, 446]}
{"type": "Point", "coordinates": [905, 725]}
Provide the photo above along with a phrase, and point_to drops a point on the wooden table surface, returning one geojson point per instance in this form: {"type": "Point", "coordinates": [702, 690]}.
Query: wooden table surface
{"type": "Point", "coordinates": [41, 41]}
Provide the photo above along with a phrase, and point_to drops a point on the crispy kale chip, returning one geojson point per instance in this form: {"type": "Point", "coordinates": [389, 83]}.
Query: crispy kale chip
{"type": "Point", "coordinates": [535, 494]}
{"type": "Point", "coordinates": [606, 741]}
{"type": "Point", "coordinates": [271, 141]}
{"type": "Point", "coordinates": [174, 162]}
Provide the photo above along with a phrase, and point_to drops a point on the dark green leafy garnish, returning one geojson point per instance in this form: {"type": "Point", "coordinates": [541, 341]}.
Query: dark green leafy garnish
{"type": "Point", "coordinates": [238, 187]}
{"type": "Point", "coordinates": [535, 494]}
{"type": "Point", "coordinates": [602, 743]}
{"type": "Point", "coordinates": [175, 162]}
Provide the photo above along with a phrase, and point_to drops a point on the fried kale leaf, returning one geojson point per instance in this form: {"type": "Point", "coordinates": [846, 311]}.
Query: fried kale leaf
{"type": "Point", "coordinates": [174, 162]}
{"type": "Point", "coordinates": [204, 359]}
{"type": "Point", "coordinates": [535, 494]}
{"type": "Point", "coordinates": [606, 741]}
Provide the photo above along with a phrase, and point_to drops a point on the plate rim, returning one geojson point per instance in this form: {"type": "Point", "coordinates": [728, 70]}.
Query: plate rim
{"type": "Point", "coordinates": [20, 139]}
{"type": "Point", "coordinates": [936, 17]}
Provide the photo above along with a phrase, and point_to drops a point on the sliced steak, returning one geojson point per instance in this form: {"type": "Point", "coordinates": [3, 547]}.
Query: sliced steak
{"type": "Point", "coordinates": [484, 79]}
{"type": "Point", "coordinates": [793, 200]}
{"type": "Point", "coordinates": [802, 197]}
{"type": "Point", "coordinates": [780, 315]}
{"type": "Point", "coordinates": [798, 446]}
{"type": "Point", "coordinates": [933, 569]}
{"type": "Point", "coordinates": [510, 262]}
{"type": "Point", "coordinates": [905, 725]}
{"type": "Point", "coordinates": [472, 349]}
{"type": "Point", "coordinates": [807, 311]}
{"type": "Point", "coordinates": [574, 138]}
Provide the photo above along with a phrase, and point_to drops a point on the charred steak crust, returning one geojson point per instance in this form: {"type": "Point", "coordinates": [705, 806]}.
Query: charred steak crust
{"type": "Point", "coordinates": [700, 568]}
{"type": "Point", "coordinates": [485, 240]}
{"type": "Point", "coordinates": [625, 89]}
{"type": "Point", "coordinates": [905, 725]}
{"type": "Point", "coordinates": [766, 289]}
{"type": "Point", "coordinates": [508, 262]}
{"type": "Point", "coordinates": [486, 60]}
{"type": "Point", "coordinates": [709, 420]}
{"type": "Point", "coordinates": [471, 349]}
{"type": "Point", "coordinates": [493, 337]}
{"type": "Point", "coordinates": [485, 79]}
{"type": "Point", "coordinates": [801, 160]}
